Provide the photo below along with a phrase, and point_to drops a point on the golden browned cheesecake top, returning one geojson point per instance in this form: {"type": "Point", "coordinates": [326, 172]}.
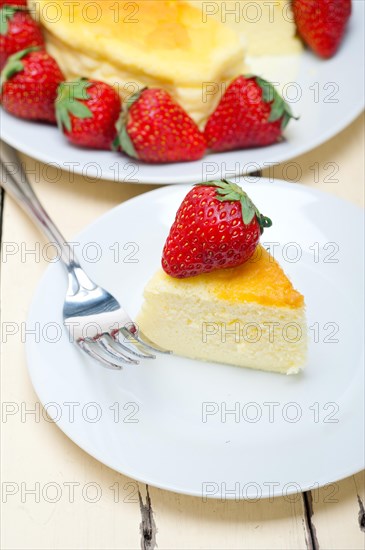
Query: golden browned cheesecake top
{"type": "Point", "coordinates": [165, 38]}
{"type": "Point", "coordinates": [260, 280]}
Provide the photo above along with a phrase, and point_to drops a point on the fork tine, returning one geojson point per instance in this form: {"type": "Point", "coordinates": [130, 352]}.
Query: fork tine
{"type": "Point", "coordinates": [87, 348]}
{"type": "Point", "coordinates": [143, 341]}
{"type": "Point", "coordinates": [103, 341]}
{"type": "Point", "coordinates": [131, 348]}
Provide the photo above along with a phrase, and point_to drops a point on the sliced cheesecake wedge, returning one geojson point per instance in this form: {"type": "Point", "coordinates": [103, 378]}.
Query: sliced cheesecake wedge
{"type": "Point", "coordinates": [250, 316]}
{"type": "Point", "coordinates": [154, 43]}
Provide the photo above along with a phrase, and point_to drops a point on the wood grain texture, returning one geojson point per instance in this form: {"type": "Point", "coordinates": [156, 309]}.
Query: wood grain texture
{"type": "Point", "coordinates": [336, 506]}
{"type": "Point", "coordinates": [34, 451]}
{"type": "Point", "coordinates": [336, 167]}
{"type": "Point", "coordinates": [193, 523]}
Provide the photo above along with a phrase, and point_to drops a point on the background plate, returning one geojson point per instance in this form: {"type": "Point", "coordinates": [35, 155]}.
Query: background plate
{"type": "Point", "coordinates": [287, 433]}
{"type": "Point", "coordinates": [327, 95]}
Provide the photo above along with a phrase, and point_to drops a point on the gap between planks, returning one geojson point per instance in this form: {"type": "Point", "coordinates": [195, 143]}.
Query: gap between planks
{"type": "Point", "coordinates": [309, 527]}
{"type": "Point", "coordinates": [147, 526]}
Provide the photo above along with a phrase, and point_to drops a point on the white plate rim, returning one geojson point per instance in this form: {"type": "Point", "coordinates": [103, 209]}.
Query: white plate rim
{"type": "Point", "coordinates": [31, 151]}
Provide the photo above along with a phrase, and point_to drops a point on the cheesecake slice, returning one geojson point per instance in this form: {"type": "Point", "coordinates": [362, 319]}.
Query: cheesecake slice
{"type": "Point", "coordinates": [249, 315]}
{"type": "Point", "coordinates": [155, 43]}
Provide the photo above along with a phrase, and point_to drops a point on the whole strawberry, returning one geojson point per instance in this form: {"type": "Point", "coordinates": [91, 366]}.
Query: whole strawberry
{"type": "Point", "coordinates": [87, 112]}
{"type": "Point", "coordinates": [217, 226]}
{"type": "Point", "coordinates": [251, 113]}
{"type": "Point", "coordinates": [322, 23]}
{"type": "Point", "coordinates": [29, 83]}
{"type": "Point", "coordinates": [18, 30]}
{"type": "Point", "coordinates": [13, 3]}
{"type": "Point", "coordinates": [154, 128]}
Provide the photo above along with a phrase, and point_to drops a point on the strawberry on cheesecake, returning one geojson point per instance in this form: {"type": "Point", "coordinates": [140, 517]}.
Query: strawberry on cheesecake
{"type": "Point", "coordinates": [220, 295]}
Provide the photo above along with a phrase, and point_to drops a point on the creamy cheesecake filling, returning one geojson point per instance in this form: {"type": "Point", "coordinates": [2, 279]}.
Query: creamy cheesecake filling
{"type": "Point", "coordinates": [194, 324]}
{"type": "Point", "coordinates": [191, 48]}
{"type": "Point", "coordinates": [199, 100]}
{"type": "Point", "coordinates": [166, 45]}
{"type": "Point", "coordinates": [250, 316]}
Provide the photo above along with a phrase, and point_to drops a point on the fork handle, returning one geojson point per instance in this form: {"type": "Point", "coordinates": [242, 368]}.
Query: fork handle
{"type": "Point", "coordinates": [15, 182]}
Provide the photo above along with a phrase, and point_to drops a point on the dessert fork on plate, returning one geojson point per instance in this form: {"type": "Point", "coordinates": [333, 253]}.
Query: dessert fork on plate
{"type": "Point", "coordinates": [95, 320]}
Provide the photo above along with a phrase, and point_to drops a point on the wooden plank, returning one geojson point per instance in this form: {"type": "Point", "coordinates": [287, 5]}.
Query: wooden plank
{"type": "Point", "coordinates": [338, 516]}
{"type": "Point", "coordinates": [336, 167]}
{"type": "Point", "coordinates": [1, 210]}
{"type": "Point", "coordinates": [190, 523]}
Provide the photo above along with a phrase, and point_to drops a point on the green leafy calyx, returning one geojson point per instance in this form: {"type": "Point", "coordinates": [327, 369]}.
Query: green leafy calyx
{"type": "Point", "coordinates": [14, 64]}
{"type": "Point", "coordinates": [123, 141]}
{"type": "Point", "coordinates": [230, 191]}
{"type": "Point", "coordinates": [279, 107]}
{"type": "Point", "coordinates": [68, 102]}
{"type": "Point", "coordinates": [6, 14]}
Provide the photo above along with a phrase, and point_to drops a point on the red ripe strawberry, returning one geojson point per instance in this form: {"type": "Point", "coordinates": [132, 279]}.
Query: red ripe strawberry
{"type": "Point", "coordinates": [217, 226]}
{"type": "Point", "coordinates": [251, 113]}
{"type": "Point", "coordinates": [13, 3]}
{"type": "Point", "coordinates": [29, 83]}
{"type": "Point", "coordinates": [18, 30]}
{"type": "Point", "coordinates": [154, 128]}
{"type": "Point", "coordinates": [322, 23]}
{"type": "Point", "coordinates": [87, 112]}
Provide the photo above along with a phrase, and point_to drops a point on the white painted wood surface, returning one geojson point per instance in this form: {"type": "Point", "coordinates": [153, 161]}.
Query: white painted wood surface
{"type": "Point", "coordinates": [36, 455]}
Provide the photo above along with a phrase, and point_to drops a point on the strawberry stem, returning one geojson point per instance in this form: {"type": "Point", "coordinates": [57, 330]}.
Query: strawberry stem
{"type": "Point", "coordinates": [265, 222]}
{"type": "Point", "coordinates": [14, 65]}
{"type": "Point", "coordinates": [230, 191]}
{"type": "Point", "coordinates": [280, 109]}
{"type": "Point", "coordinates": [68, 102]}
{"type": "Point", "coordinates": [6, 13]}
{"type": "Point", "coordinates": [123, 140]}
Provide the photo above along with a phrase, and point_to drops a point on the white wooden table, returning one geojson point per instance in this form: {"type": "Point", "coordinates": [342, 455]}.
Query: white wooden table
{"type": "Point", "coordinates": [49, 484]}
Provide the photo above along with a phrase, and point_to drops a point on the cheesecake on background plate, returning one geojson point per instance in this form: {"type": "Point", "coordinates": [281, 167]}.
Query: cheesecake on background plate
{"type": "Point", "coordinates": [178, 45]}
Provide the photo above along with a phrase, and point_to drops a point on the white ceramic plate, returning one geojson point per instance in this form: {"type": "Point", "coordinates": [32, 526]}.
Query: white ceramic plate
{"type": "Point", "coordinates": [327, 95]}
{"type": "Point", "coordinates": [151, 424]}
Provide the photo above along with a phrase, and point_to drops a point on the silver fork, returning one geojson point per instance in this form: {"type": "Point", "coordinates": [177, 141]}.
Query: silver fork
{"type": "Point", "coordinates": [95, 320]}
